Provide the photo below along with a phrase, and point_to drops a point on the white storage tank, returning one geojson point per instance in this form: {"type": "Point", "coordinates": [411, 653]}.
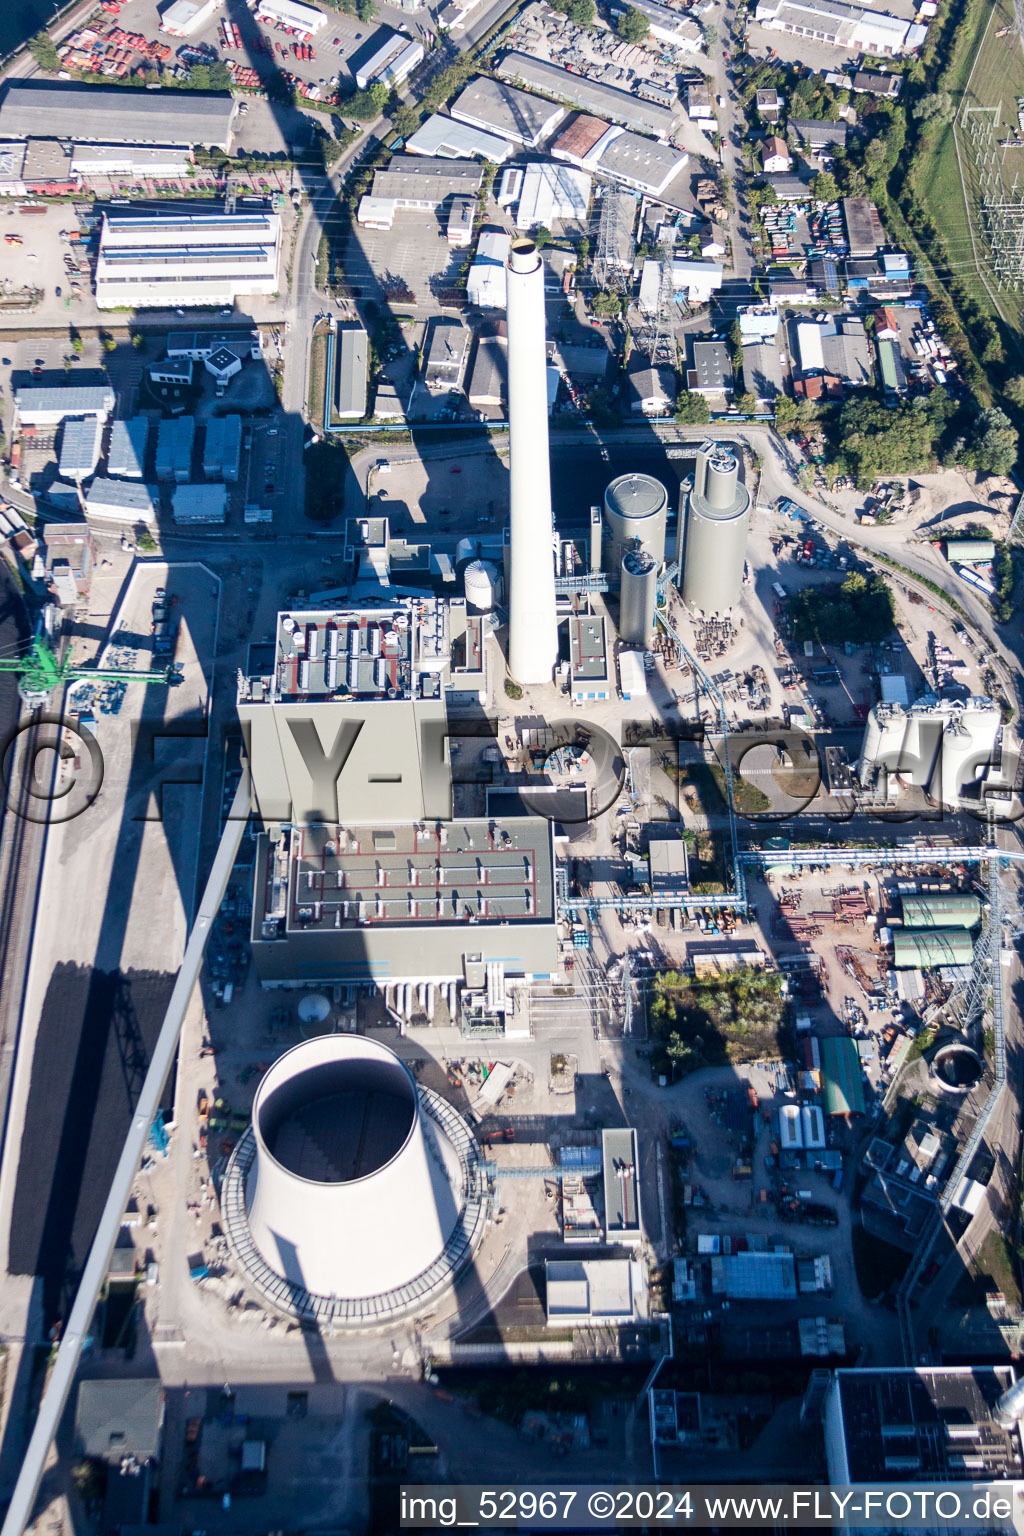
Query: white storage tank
{"type": "Point", "coordinates": [480, 581]}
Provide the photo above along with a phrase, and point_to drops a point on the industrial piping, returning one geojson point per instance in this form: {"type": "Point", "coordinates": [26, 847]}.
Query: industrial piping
{"type": "Point", "coordinates": [532, 623]}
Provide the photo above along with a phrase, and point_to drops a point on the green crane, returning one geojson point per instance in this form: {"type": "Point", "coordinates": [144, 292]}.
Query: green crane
{"type": "Point", "coordinates": [40, 673]}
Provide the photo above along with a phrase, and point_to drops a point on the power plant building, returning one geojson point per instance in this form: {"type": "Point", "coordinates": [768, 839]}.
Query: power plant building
{"type": "Point", "coordinates": [943, 1425]}
{"type": "Point", "coordinates": [717, 519]}
{"type": "Point", "coordinates": [361, 873]}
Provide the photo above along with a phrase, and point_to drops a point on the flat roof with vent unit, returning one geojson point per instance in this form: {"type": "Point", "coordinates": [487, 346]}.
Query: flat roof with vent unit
{"type": "Point", "coordinates": [620, 1167]}
{"type": "Point", "coordinates": [920, 1425]}
{"type": "Point", "coordinates": [114, 114]}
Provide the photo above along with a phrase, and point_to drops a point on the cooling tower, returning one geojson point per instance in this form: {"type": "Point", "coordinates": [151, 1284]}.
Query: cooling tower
{"type": "Point", "coordinates": [717, 519]}
{"type": "Point", "coordinates": [635, 508]}
{"type": "Point", "coordinates": [353, 1190]}
{"type": "Point", "coordinates": [532, 621]}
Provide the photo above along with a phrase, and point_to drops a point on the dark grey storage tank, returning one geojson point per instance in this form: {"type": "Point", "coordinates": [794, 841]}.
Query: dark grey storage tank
{"type": "Point", "coordinates": [638, 594]}
{"type": "Point", "coordinates": [635, 510]}
{"type": "Point", "coordinates": [717, 522]}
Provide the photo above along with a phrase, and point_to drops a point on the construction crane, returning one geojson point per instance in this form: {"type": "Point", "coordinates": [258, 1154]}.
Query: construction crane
{"type": "Point", "coordinates": [41, 673]}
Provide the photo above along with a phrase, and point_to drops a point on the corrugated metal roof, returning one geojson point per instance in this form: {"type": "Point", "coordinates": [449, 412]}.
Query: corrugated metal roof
{"type": "Point", "coordinates": [114, 114]}
{"type": "Point", "coordinates": [842, 1080]}
{"type": "Point", "coordinates": [929, 947]}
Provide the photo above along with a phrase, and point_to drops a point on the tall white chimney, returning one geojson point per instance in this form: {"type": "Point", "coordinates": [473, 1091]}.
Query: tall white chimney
{"type": "Point", "coordinates": [532, 622]}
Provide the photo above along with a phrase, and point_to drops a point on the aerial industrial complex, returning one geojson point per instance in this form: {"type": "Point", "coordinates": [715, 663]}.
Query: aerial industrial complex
{"type": "Point", "coordinates": [511, 673]}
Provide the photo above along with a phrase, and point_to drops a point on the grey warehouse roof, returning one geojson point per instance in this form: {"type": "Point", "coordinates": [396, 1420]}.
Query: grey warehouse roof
{"type": "Point", "coordinates": [604, 100]}
{"type": "Point", "coordinates": [72, 399]}
{"type": "Point", "coordinates": [114, 1419]}
{"type": "Point", "coordinates": [515, 114]}
{"type": "Point", "coordinates": [114, 114]}
{"type": "Point", "coordinates": [127, 452]}
{"type": "Point", "coordinates": [421, 177]}
{"type": "Point", "coordinates": [353, 362]}
{"type": "Point", "coordinates": [79, 448]}
{"type": "Point", "coordinates": [126, 495]}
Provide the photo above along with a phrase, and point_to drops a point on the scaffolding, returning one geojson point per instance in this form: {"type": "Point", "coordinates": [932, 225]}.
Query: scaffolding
{"type": "Point", "coordinates": [616, 246]}
{"type": "Point", "coordinates": [1001, 208]}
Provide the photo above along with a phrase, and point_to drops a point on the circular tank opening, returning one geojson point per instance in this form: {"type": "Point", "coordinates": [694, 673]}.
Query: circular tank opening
{"type": "Point", "coordinates": [957, 1067]}
{"type": "Point", "coordinates": [338, 1121]}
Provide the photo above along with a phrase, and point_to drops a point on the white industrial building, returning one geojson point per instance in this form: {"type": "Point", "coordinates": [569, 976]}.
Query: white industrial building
{"type": "Point", "coordinates": [448, 140]}
{"type": "Point", "coordinates": [758, 322]}
{"type": "Point", "coordinates": [950, 749]}
{"type": "Point", "coordinates": [121, 501]}
{"type": "Point", "coordinates": [139, 161]}
{"type": "Point", "coordinates": [697, 279]}
{"type": "Point", "coordinates": [677, 29]}
{"type": "Point", "coordinates": [183, 17]}
{"type": "Point", "coordinates": [485, 282]}
{"type": "Point", "coordinates": [505, 110]}
{"type": "Point", "coordinates": [552, 192]}
{"type": "Point", "coordinates": [842, 25]}
{"type": "Point", "coordinates": [392, 62]}
{"type": "Point", "coordinates": [171, 260]}
{"type": "Point", "coordinates": [44, 405]}
{"type": "Point", "coordinates": [620, 155]}
{"type": "Point", "coordinates": [595, 1292]}
{"type": "Point", "coordinates": [202, 345]}
{"type": "Point", "coordinates": [304, 19]}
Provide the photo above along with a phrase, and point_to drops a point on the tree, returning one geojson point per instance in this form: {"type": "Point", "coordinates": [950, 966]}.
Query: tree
{"type": "Point", "coordinates": [861, 607]}
{"type": "Point", "coordinates": [693, 410]}
{"type": "Point", "coordinates": [936, 107]}
{"type": "Point", "coordinates": [541, 236]}
{"type": "Point", "coordinates": [367, 10]}
{"type": "Point", "coordinates": [77, 345]}
{"type": "Point", "coordinates": [607, 305]}
{"type": "Point", "coordinates": [825, 187]}
{"type": "Point", "coordinates": [992, 445]}
{"type": "Point", "coordinates": [785, 413]}
{"type": "Point", "coordinates": [582, 12]}
{"type": "Point", "coordinates": [711, 35]}
{"type": "Point", "coordinates": [109, 344]}
{"type": "Point", "coordinates": [746, 404]}
{"type": "Point", "coordinates": [633, 26]}
{"type": "Point", "coordinates": [44, 52]}
{"type": "Point", "coordinates": [875, 440]}
{"type": "Point", "coordinates": [1013, 389]}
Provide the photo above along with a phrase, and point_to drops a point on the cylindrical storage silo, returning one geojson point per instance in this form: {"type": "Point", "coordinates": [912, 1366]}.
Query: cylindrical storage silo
{"type": "Point", "coordinates": [353, 1191]}
{"type": "Point", "coordinates": [635, 509]}
{"type": "Point", "coordinates": [479, 582]}
{"type": "Point", "coordinates": [638, 594]}
{"type": "Point", "coordinates": [717, 520]}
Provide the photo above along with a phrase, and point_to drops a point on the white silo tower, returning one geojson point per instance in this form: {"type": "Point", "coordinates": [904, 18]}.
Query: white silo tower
{"type": "Point", "coordinates": [480, 580]}
{"type": "Point", "coordinates": [532, 620]}
{"type": "Point", "coordinates": [351, 1185]}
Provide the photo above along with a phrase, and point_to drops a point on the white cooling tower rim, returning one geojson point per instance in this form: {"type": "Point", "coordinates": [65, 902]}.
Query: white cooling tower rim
{"type": "Point", "coordinates": [318, 1052]}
